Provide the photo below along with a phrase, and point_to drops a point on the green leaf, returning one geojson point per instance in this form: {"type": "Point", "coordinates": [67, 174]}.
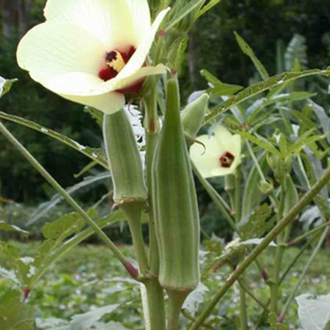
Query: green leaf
{"type": "Point", "coordinates": [221, 89]}
{"type": "Point", "coordinates": [8, 227]}
{"type": "Point", "coordinates": [206, 8]}
{"type": "Point", "coordinates": [85, 321]}
{"type": "Point", "coordinates": [210, 77]}
{"type": "Point", "coordinates": [250, 201]}
{"type": "Point", "coordinates": [45, 258]}
{"type": "Point", "coordinates": [254, 110]}
{"type": "Point", "coordinates": [16, 315]}
{"type": "Point", "coordinates": [95, 154]}
{"type": "Point", "coordinates": [183, 12]}
{"type": "Point", "coordinates": [261, 87]}
{"type": "Point", "coordinates": [47, 206]}
{"type": "Point", "coordinates": [63, 227]}
{"type": "Point", "coordinates": [259, 222]}
{"type": "Point", "coordinates": [260, 141]}
{"type": "Point", "coordinates": [247, 50]}
{"type": "Point", "coordinates": [97, 115]}
{"type": "Point", "coordinates": [314, 311]}
{"type": "Point", "coordinates": [5, 85]}
{"type": "Point", "coordinates": [181, 51]}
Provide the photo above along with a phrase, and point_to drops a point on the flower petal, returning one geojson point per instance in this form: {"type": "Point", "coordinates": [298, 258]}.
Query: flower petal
{"type": "Point", "coordinates": [139, 57]}
{"type": "Point", "coordinates": [205, 159]}
{"type": "Point", "coordinates": [53, 48]}
{"type": "Point", "coordinates": [141, 17]}
{"type": "Point", "coordinates": [75, 86]}
{"type": "Point", "coordinates": [111, 21]}
{"type": "Point", "coordinates": [121, 83]}
{"type": "Point", "coordinates": [108, 103]}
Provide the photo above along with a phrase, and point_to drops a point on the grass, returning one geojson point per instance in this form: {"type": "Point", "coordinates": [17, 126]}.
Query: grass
{"type": "Point", "coordinates": [89, 277]}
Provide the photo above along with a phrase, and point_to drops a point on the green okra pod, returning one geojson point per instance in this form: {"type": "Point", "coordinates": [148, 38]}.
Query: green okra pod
{"type": "Point", "coordinates": [175, 203]}
{"type": "Point", "coordinates": [124, 159]}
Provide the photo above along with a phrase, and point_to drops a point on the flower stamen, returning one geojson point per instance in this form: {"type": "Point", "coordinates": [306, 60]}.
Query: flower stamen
{"type": "Point", "coordinates": [115, 60]}
{"type": "Point", "coordinates": [226, 159]}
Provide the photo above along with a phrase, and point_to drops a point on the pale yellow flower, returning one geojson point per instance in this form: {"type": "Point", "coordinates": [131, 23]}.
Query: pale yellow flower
{"type": "Point", "coordinates": [220, 155]}
{"type": "Point", "coordinates": [92, 51]}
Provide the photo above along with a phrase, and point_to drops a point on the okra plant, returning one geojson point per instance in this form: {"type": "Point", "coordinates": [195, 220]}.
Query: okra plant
{"type": "Point", "coordinates": [260, 153]}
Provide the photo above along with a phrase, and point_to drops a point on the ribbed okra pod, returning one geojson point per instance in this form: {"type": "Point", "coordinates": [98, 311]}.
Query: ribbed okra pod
{"type": "Point", "coordinates": [175, 203]}
{"type": "Point", "coordinates": [124, 159]}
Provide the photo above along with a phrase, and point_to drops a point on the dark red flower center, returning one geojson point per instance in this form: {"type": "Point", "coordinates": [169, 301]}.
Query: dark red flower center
{"type": "Point", "coordinates": [226, 159]}
{"type": "Point", "coordinates": [115, 60]}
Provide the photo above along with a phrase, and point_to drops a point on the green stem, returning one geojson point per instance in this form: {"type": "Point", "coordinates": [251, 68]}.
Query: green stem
{"type": "Point", "coordinates": [301, 277]}
{"type": "Point", "coordinates": [243, 313]}
{"type": "Point", "coordinates": [130, 268]}
{"type": "Point", "coordinates": [300, 238]}
{"type": "Point", "coordinates": [222, 206]}
{"type": "Point", "coordinates": [299, 254]}
{"type": "Point", "coordinates": [238, 194]}
{"type": "Point", "coordinates": [287, 220]}
{"type": "Point", "coordinates": [133, 212]}
{"type": "Point", "coordinates": [175, 303]}
{"type": "Point", "coordinates": [155, 294]}
{"type": "Point", "coordinates": [189, 317]}
{"type": "Point", "coordinates": [242, 285]}
{"type": "Point", "coordinates": [285, 273]}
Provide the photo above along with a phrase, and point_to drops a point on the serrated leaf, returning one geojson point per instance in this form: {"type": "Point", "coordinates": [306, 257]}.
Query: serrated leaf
{"type": "Point", "coordinates": [210, 77]}
{"type": "Point", "coordinates": [47, 206]}
{"type": "Point", "coordinates": [220, 89]}
{"type": "Point", "coordinates": [313, 311]}
{"type": "Point", "coordinates": [109, 326]}
{"type": "Point", "coordinates": [8, 227]}
{"type": "Point", "coordinates": [260, 87]}
{"type": "Point", "coordinates": [5, 85]}
{"type": "Point", "coordinates": [86, 320]}
{"type": "Point", "coordinates": [15, 315]}
{"type": "Point", "coordinates": [47, 256]}
{"type": "Point", "coordinates": [181, 51]}
{"type": "Point", "coordinates": [257, 223]}
{"type": "Point", "coordinates": [247, 50]}
{"type": "Point", "coordinates": [9, 275]}
{"type": "Point", "coordinates": [92, 153]}
{"type": "Point", "coordinates": [97, 115]}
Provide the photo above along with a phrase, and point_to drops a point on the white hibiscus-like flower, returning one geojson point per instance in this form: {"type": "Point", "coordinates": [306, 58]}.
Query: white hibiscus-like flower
{"type": "Point", "coordinates": [217, 154]}
{"type": "Point", "coordinates": [92, 52]}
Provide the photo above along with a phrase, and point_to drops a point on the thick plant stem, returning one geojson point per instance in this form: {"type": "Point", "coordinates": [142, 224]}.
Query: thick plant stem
{"type": "Point", "coordinates": [133, 212]}
{"type": "Point", "coordinates": [287, 220]}
{"type": "Point", "coordinates": [175, 303]}
{"type": "Point", "coordinates": [155, 295]}
{"type": "Point", "coordinates": [155, 292]}
{"type": "Point", "coordinates": [130, 268]}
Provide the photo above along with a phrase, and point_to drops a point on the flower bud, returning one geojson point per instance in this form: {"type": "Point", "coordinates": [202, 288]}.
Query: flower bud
{"type": "Point", "coordinates": [265, 187]}
{"type": "Point", "coordinates": [192, 117]}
